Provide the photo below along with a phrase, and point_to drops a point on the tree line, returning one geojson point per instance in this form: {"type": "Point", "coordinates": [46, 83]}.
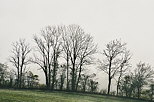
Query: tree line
{"type": "Point", "coordinates": [65, 54]}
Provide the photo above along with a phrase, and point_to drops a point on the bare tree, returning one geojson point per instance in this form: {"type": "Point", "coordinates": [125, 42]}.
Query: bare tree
{"type": "Point", "coordinates": [123, 67]}
{"type": "Point", "coordinates": [56, 46]}
{"type": "Point", "coordinates": [79, 48]}
{"type": "Point", "coordinates": [48, 46]}
{"type": "Point", "coordinates": [20, 59]}
{"type": "Point", "coordinates": [113, 59]}
{"type": "Point", "coordinates": [43, 47]}
{"type": "Point", "coordinates": [75, 36]}
{"type": "Point", "coordinates": [66, 49]}
{"type": "Point", "coordinates": [86, 55]}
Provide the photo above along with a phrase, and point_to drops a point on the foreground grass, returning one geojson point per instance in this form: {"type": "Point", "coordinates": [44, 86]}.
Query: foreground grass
{"type": "Point", "coordinates": [44, 96]}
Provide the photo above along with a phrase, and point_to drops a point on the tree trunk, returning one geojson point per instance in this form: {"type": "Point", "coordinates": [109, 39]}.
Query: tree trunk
{"type": "Point", "coordinates": [62, 82]}
{"type": "Point", "coordinates": [53, 77]}
{"type": "Point", "coordinates": [18, 69]}
{"type": "Point", "coordinates": [73, 77]}
{"type": "Point", "coordinates": [67, 70]}
{"type": "Point", "coordinates": [109, 85]}
{"type": "Point", "coordinates": [47, 83]}
{"type": "Point", "coordinates": [49, 66]}
{"type": "Point", "coordinates": [138, 96]}
{"type": "Point", "coordinates": [18, 78]}
{"type": "Point", "coordinates": [85, 83]}
{"type": "Point", "coordinates": [20, 85]}
{"type": "Point", "coordinates": [54, 70]}
{"type": "Point", "coordinates": [79, 76]}
{"type": "Point", "coordinates": [49, 78]}
{"type": "Point", "coordinates": [119, 82]}
{"type": "Point", "coordinates": [118, 87]}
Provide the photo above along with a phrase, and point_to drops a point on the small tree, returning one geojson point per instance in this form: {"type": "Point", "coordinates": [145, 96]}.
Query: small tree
{"type": "Point", "coordinates": [79, 49]}
{"type": "Point", "coordinates": [32, 80]}
{"type": "Point", "coordinates": [3, 74]}
{"type": "Point", "coordinates": [126, 85]}
{"type": "Point", "coordinates": [93, 85]}
{"type": "Point", "coordinates": [143, 74]}
{"type": "Point", "coordinates": [151, 91]}
{"type": "Point", "coordinates": [85, 82]}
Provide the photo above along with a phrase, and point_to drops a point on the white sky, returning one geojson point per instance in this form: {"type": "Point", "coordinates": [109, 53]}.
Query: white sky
{"type": "Point", "coordinates": [129, 20]}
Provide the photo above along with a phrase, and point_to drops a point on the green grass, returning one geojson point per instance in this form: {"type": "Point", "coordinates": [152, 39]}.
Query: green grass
{"type": "Point", "coordinates": [44, 96]}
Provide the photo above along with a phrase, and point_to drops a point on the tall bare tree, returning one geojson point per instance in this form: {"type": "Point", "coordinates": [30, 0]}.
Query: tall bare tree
{"type": "Point", "coordinates": [86, 55]}
{"type": "Point", "coordinates": [48, 46]}
{"type": "Point", "coordinates": [56, 46]}
{"type": "Point", "coordinates": [113, 59]}
{"type": "Point", "coordinates": [75, 35]}
{"type": "Point", "coordinates": [79, 48]}
{"type": "Point", "coordinates": [66, 49]}
{"type": "Point", "coordinates": [19, 58]}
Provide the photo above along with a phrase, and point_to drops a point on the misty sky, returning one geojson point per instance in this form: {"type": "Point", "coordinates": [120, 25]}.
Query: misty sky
{"type": "Point", "coordinates": [132, 21]}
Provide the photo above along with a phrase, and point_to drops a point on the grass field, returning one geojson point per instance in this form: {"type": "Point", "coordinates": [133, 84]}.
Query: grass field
{"type": "Point", "coordinates": [44, 96]}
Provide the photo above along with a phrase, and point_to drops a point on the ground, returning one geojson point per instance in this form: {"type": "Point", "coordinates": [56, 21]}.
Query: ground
{"type": "Point", "coordinates": [45, 96]}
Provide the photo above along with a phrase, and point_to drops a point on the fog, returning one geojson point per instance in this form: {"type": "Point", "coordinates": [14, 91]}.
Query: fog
{"type": "Point", "coordinates": [128, 20]}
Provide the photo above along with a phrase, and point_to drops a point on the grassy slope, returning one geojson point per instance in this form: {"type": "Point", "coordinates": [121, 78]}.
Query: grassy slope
{"type": "Point", "coordinates": [42, 96]}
